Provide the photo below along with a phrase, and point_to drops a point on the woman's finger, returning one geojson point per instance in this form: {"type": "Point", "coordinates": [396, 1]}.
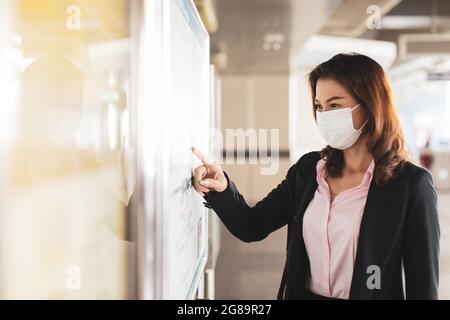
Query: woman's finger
{"type": "Point", "coordinates": [203, 189]}
{"type": "Point", "coordinates": [200, 156]}
{"type": "Point", "coordinates": [200, 172]}
{"type": "Point", "coordinates": [217, 185]}
{"type": "Point", "coordinates": [199, 188]}
{"type": "Point", "coordinates": [198, 175]}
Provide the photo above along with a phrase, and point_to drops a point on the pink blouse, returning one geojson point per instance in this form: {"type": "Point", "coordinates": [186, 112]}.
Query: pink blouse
{"type": "Point", "coordinates": [331, 231]}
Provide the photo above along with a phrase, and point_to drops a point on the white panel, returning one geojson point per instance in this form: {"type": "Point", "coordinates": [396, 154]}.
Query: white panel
{"type": "Point", "coordinates": [176, 118]}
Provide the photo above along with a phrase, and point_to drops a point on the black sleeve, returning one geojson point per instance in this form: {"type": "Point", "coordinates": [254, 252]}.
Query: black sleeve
{"type": "Point", "coordinates": [421, 246]}
{"type": "Point", "coordinates": [253, 223]}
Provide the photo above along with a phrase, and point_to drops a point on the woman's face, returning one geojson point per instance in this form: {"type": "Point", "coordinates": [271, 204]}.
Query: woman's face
{"type": "Point", "coordinates": [330, 95]}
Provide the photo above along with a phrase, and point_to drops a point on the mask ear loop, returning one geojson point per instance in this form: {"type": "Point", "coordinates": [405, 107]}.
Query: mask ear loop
{"type": "Point", "coordinates": [362, 127]}
{"type": "Point", "coordinates": [364, 122]}
{"type": "Point", "coordinates": [355, 107]}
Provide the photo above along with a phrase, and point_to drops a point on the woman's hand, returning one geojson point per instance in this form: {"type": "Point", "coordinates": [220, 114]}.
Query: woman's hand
{"type": "Point", "coordinates": [209, 176]}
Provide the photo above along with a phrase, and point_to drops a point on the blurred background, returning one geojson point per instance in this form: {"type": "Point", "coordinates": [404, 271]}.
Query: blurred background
{"type": "Point", "coordinates": [264, 50]}
{"type": "Point", "coordinates": [88, 96]}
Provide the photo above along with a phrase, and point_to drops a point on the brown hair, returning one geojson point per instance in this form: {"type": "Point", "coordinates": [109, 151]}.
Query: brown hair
{"type": "Point", "coordinates": [366, 81]}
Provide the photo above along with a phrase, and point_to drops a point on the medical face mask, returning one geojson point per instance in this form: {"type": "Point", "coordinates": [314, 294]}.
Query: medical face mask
{"type": "Point", "coordinates": [336, 127]}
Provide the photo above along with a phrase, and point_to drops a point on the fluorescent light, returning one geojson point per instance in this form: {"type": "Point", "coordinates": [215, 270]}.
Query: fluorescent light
{"type": "Point", "coordinates": [405, 22]}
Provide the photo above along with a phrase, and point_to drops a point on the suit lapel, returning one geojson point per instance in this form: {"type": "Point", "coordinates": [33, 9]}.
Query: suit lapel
{"type": "Point", "coordinates": [298, 258]}
{"type": "Point", "coordinates": [381, 222]}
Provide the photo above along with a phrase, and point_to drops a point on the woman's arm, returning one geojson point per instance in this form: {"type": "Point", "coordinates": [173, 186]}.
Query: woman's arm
{"type": "Point", "coordinates": [421, 246]}
{"type": "Point", "coordinates": [250, 223]}
{"type": "Point", "coordinates": [253, 223]}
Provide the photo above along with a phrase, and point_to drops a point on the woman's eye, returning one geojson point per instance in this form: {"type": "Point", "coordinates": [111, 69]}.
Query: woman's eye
{"type": "Point", "coordinates": [318, 107]}
{"type": "Point", "coordinates": [334, 106]}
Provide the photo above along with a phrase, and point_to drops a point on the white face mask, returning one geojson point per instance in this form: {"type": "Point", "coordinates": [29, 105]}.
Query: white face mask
{"type": "Point", "coordinates": [336, 127]}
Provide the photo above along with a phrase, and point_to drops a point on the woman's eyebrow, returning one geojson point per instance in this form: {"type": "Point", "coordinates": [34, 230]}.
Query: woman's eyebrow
{"type": "Point", "coordinates": [334, 98]}
{"type": "Point", "coordinates": [331, 99]}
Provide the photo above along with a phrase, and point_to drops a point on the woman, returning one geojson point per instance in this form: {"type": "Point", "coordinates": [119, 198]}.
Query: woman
{"type": "Point", "coordinates": [358, 211]}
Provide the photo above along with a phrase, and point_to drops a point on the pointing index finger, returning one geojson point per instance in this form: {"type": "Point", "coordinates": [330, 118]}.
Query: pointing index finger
{"type": "Point", "coordinates": [200, 156]}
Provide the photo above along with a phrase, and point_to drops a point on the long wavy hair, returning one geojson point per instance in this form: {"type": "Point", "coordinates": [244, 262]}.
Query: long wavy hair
{"type": "Point", "coordinates": [366, 81]}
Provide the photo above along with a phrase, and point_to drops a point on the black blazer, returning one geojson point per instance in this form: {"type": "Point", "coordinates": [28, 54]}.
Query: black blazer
{"type": "Point", "coordinates": [399, 226]}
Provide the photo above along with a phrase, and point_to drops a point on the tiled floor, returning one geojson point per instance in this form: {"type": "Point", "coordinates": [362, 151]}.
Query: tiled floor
{"type": "Point", "coordinates": [250, 270]}
{"type": "Point", "coordinates": [253, 271]}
